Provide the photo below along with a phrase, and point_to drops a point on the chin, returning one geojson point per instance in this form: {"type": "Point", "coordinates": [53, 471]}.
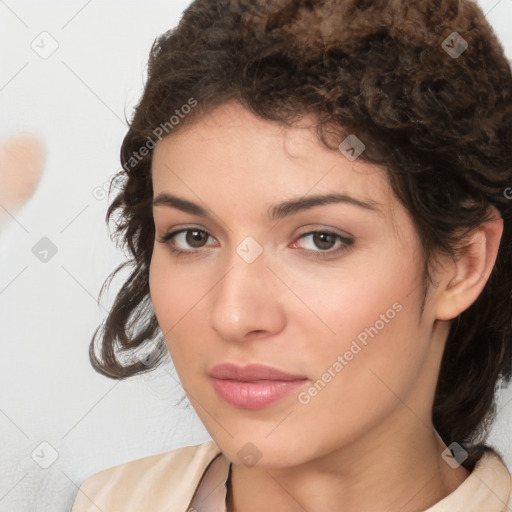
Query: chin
{"type": "Point", "coordinates": [263, 453]}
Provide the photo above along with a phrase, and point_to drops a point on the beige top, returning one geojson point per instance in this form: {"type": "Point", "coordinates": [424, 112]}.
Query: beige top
{"type": "Point", "coordinates": [193, 478]}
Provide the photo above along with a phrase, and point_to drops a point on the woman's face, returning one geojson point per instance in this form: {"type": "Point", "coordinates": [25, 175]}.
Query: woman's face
{"type": "Point", "coordinates": [328, 292]}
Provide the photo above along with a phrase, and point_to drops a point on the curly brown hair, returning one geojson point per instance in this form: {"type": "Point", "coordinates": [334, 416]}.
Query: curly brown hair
{"type": "Point", "coordinates": [439, 122]}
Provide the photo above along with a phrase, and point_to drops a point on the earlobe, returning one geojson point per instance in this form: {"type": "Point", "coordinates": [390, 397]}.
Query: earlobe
{"type": "Point", "coordinates": [465, 279]}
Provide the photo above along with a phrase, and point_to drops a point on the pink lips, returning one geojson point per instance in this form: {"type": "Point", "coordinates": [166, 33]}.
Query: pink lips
{"type": "Point", "coordinates": [253, 386]}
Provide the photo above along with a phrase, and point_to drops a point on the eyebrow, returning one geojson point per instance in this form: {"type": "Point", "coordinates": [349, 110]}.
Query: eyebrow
{"type": "Point", "coordinates": [277, 211]}
{"type": "Point", "coordinates": [303, 203]}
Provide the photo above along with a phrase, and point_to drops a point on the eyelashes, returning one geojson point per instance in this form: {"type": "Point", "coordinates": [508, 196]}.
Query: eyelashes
{"type": "Point", "coordinates": [318, 237]}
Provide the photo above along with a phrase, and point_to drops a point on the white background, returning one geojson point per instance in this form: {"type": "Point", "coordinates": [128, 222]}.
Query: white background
{"type": "Point", "coordinates": [76, 101]}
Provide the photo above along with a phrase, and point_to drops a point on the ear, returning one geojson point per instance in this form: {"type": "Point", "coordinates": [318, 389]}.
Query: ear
{"type": "Point", "coordinates": [464, 278]}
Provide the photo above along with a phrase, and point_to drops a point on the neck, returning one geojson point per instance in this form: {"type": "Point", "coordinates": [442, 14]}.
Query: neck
{"type": "Point", "coordinates": [405, 473]}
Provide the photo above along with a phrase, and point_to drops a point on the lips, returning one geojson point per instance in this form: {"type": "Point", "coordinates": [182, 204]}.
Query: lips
{"type": "Point", "coordinates": [253, 386]}
{"type": "Point", "coordinates": [251, 373]}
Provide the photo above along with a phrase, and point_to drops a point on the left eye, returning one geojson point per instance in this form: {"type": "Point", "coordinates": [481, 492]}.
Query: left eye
{"type": "Point", "coordinates": [323, 240]}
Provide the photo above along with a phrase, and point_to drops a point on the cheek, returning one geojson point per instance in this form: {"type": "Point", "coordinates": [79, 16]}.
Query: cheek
{"type": "Point", "coordinates": [174, 290]}
{"type": "Point", "coordinates": [164, 297]}
{"type": "Point", "coordinates": [374, 342]}
{"type": "Point", "coordinates": [178, 301]}
{"type": "Point", "coordinates": [359, 373]}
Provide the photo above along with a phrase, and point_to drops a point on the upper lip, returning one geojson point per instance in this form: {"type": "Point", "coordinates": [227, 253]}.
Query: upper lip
{"type": "Point", "coordinates": [251, 372]}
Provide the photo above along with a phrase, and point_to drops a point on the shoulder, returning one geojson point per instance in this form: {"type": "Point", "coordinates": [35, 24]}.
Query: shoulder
{"type": "Point", "coordinates": [487, 488]}
{"type": "Point", "coordinates": [144, 484]}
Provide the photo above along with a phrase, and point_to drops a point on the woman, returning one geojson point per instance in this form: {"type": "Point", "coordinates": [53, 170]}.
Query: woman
{"type": "Point", "coordinates": [316, 203]}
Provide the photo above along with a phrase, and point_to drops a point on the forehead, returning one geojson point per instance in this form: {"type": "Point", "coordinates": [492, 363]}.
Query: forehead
{"type": "Point", "coordinates": [231, 157]}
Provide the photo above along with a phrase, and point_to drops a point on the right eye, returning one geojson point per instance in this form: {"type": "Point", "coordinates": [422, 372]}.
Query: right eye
{"type": "Point", "coordinates": [177, 240]}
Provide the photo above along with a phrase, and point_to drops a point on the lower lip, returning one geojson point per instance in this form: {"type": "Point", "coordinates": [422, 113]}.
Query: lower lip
{"type": "Point", "coordinates": [254, 395]}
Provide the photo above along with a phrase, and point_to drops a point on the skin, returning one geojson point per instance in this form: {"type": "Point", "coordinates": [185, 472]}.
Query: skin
{"type": "Point", "coordinates": [21, 167]}
{"type": "Point", "coordinates": [366, 441]}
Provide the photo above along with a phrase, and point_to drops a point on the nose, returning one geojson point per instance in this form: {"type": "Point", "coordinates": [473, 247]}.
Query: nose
{"type": "Point", "coordinates": [246, 302]}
